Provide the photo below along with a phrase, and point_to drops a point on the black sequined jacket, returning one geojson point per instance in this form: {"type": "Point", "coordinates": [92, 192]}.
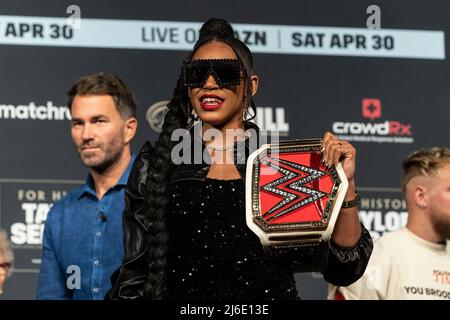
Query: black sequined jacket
{"type": "Point", "coordinates": [345, 265]}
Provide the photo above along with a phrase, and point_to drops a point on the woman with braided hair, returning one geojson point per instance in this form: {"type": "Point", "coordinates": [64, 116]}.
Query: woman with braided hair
{"type": "Point", "coordinates": [185, 233]}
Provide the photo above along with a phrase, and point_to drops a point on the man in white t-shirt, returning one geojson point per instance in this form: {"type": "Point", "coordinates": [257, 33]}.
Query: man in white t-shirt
{"type": "Point", "coordinates": [413, 262]}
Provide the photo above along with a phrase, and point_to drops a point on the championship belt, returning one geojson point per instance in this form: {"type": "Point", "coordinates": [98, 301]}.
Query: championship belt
{"type": "Point", "coordinates": [293, 200]}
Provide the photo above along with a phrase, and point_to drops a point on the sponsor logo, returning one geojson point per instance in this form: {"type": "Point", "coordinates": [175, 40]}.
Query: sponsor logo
{"type": "Point", "coordinates": [272, 120]}
{"type": "Point", "coordinates": [261, 38]}
{"type": "Point", "coordinates": [155, 115]}
{"type": "Point", "coordinates": [371, 108]}
{"type": "Point", "coordinates": [388, 131]}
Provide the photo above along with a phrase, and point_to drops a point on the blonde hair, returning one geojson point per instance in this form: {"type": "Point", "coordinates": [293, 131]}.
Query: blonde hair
{"type": "Point", "coordinates": [6, 254]}
{"type": "Point", "coordinates": [424, 162]}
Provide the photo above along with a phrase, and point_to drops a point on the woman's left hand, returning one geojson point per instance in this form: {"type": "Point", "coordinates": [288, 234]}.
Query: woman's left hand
{"type": "Point", "coordinates": [335, 150]}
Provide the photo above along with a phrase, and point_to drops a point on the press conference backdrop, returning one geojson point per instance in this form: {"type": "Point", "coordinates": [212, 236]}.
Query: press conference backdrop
{"type": "Point", "coordinates": [386, 90]}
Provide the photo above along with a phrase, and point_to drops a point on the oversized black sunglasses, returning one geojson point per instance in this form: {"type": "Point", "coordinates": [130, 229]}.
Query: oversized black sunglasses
{"type": "Point", "coordinates": [226, 72]}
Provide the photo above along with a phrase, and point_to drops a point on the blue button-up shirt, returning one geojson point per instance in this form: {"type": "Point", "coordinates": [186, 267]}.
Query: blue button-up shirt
{"type": "Point", "coordinates": [83, 243]}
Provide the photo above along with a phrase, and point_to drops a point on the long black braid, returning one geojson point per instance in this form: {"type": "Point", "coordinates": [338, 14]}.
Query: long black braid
{"type": "Point", "coordinates": [179, 116]}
